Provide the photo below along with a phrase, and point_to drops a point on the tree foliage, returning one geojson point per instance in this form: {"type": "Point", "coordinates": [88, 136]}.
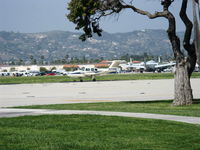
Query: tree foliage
{"type": "Point", "coordinates": [82, 13]}
{"type": "Point", "coordinates": [86, 14]}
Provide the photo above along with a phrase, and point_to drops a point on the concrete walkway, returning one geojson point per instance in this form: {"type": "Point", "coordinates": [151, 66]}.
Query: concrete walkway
{"type": "Point", "coordinates": [5, 113]}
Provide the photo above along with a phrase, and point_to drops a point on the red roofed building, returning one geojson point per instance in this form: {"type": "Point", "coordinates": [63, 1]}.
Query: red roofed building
{"type": "Point", "coordinates": [70, 67]}
{"type": "Point", "coordinates": [101, 65]}
{"type": "Point", "coordinates": [105, 62]}
{"type": "Point", "coordinates": [136, 62]}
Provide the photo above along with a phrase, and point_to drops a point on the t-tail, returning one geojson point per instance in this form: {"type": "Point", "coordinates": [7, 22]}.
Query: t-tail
{"type": "Point", "coordinates": [115, 63]}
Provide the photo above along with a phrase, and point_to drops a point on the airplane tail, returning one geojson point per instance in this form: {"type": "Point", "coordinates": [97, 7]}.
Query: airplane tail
{"type": "Point", "coordinates": [115, 63]}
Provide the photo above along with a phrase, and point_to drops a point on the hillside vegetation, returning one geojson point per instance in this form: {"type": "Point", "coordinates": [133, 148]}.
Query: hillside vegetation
{"type": "Point", "coordinates": [62, 44]}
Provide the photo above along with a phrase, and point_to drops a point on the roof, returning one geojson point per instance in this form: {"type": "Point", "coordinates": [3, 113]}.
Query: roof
{"type": "Point", "coordinates": [105, 62]}
{"type": "Point", "coordinates": [101, 65]}
{"type": "Point", "coordinates": [136, 61]}
{"type": "Point", "coordinates": [70, 66]}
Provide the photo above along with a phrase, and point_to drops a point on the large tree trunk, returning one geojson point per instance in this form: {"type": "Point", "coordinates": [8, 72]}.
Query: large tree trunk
{"type": "Point", "coordinates": [184, 68]}
{"type": "Point", "coordinates": [183, 91]}
{"type": "Point", "coordinates": [184, 64]}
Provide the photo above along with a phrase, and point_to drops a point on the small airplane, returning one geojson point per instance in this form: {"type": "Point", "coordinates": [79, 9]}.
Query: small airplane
{"type": "Point", "coordinates": [136, 66]}
{"type": "Point", "coordinates": [133, 67]}
{"type": "Point", "coordinates": [149, 66]}
{"type": "Point", "coordinates": [92, 72]}
{"type": "Point", "coordinates": [155, 66]}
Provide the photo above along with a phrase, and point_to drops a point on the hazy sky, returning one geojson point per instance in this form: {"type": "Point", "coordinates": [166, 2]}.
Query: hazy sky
{"type": "Point", "coordinates": [46, 15]}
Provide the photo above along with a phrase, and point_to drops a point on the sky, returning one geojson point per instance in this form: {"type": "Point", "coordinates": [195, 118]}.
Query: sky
{"type": "Point", "coordinates": [30, 16]}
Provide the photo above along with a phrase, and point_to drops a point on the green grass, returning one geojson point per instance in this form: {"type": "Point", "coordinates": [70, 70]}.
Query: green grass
{"type": "Point", "coordinates": [157, 107]}
{"type": "Point", "coordinates": [112, 77]}
{"type": "Point", "coordinates": [84, 132]}
{"type": "Point", "coordinates": [36, 79]}
{"type": "Point", "coordinates": [138, 76]}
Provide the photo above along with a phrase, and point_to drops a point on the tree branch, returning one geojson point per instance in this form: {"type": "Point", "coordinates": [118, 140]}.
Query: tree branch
{"type": "Point", "coordinates": [175, 41]}
{"type": "Point", "coordinates": [104, 14]}
{"type": "Point", "coordinates": [146, 13]}
{"type": "Point", "coordinates": [190, 48]}
{"type": "Point", "coordinates": [188, 25]}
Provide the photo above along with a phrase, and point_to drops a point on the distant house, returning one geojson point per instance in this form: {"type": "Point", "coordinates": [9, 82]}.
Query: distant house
{"type": "Point", "coordinates": [70, 67]}
{"type": "Point", "coordinates": [136, 62]}
{"type": "Point", "coordinates": [29, 67]}
{"type": "Point", "coordinates": [101, 65]}
{"type": "Point", "coordinates": [105, 62]}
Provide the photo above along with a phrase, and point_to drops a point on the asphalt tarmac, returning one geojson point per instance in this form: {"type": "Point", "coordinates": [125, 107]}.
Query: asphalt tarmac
{"type": "Point", "coordinates": [84, 92]}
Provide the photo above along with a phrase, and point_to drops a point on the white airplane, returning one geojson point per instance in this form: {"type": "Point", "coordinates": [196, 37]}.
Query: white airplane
{"type": "Point", "coordinates": [133, 67]}
{"type": "Point", "coordinates": [130, 66]}
{"type": "Point", "coordinates": [150, 65]}
{"type": "Point", "coordinates": [155, 66]}
{"type": "Point", "coordinates": [92, 72]}
{"type": "Point", "coordinates": [147, 66]}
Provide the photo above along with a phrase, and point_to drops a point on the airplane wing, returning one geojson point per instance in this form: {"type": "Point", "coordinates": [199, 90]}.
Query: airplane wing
{"type": "Point", "coordinates": [76, 75]}
{"type": "Point", "coordinates": [165, 65]}
{"type": "Point", "coordinates": [86, 74]}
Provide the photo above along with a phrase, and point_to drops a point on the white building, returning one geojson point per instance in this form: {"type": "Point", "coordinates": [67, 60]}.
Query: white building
{"type": "Point", "coordinates": [29, 67]}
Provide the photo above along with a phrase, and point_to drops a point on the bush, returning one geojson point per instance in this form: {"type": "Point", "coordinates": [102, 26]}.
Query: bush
{"type": "Point", "coordinates": [43, 69]}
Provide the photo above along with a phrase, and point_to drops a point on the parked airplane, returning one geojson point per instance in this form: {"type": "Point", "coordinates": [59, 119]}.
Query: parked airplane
{"type": "Point", "coordinates": [130, 66]}
{"type": "Point", "coordinates": [92, 72]}
{"type": "Point", "coordinates": [157, 66]}
{"type": "Point", "coordinates": [149, 66]}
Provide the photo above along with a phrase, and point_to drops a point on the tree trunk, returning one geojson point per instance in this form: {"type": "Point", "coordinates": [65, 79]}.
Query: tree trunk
{"type": "Point", "coordinates": [185, 64]}
{"type": "Point", "coordinates": [183, 91]}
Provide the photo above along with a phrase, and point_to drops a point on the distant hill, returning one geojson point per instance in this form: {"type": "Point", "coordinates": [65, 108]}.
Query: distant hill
{"type": "Point", "coordinates": [57, 44]}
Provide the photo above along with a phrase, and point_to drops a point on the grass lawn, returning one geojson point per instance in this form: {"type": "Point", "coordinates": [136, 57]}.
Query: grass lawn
{"type": "Point", "coordinates": [90, 132]}
{"type": "Point", "coordinates": [158, 107]}
{"type": "Point", "coordinates": [112, 77]}
{"type": "Point", "coordinates": [36, 79]}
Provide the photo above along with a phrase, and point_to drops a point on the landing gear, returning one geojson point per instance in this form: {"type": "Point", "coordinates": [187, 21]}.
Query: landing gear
{"type": "Point", "coordinates": [93, 78]}
{"type": "Point", "coordinates": [81, 80]}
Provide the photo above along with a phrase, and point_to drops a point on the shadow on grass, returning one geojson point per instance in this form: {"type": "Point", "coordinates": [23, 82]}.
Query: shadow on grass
{"type": "Point", "coordinates": [150, 102]}
{"type": "Point", "coordinates": [195, 101]}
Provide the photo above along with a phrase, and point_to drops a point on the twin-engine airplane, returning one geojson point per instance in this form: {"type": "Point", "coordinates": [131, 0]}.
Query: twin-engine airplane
{"type": "Point", "coordinates": [92, 72]}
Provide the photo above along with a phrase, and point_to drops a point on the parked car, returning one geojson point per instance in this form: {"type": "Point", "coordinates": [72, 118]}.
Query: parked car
{"type": "Point", "coordinates": [50, 74]}
{"type": "Point", "coordinates": [41, 74]}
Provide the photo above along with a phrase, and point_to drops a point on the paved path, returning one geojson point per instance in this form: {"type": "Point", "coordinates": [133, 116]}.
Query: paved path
{"type": "Point", "coordinates": [4, 113]}
{"type": "Point", "coordinates": [77, 92]}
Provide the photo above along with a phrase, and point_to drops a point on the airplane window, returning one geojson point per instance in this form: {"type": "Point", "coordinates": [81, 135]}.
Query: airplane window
{"type": "Point", "coordinates": [92, 69]}
{"type": "Point", "coordinates": [87, 69]}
